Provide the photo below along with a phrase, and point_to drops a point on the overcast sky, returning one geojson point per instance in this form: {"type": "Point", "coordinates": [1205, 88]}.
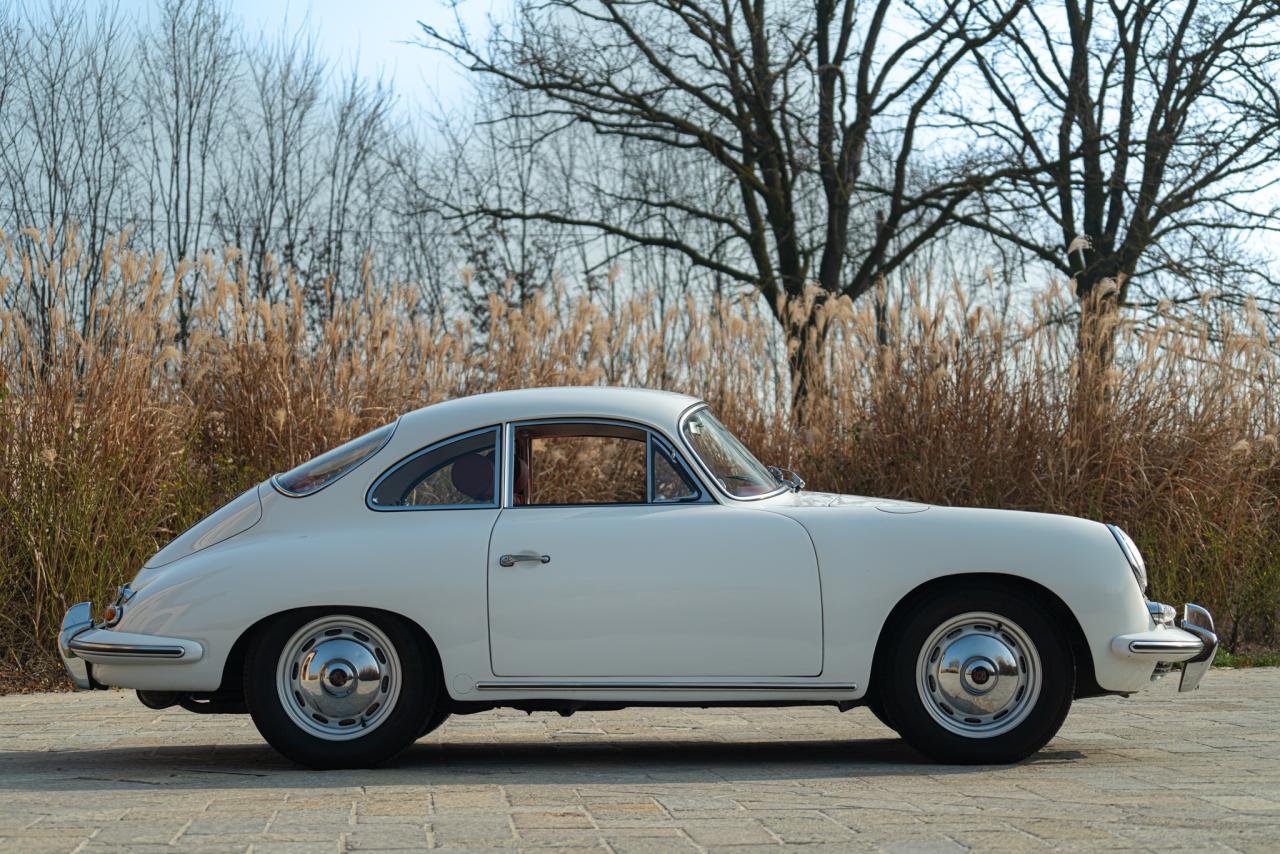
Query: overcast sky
{"type": "Point", "coordinates": [370, 32]}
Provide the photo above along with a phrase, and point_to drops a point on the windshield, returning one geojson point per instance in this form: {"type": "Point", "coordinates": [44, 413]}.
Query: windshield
{"type": "Point", "coordinates": [740, 474]}
{"type": "Point", "coordinates": [317, 473]}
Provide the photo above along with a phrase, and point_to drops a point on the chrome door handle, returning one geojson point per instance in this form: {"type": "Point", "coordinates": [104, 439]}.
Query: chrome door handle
{"type": "Point", "coordinates": [511, 560]}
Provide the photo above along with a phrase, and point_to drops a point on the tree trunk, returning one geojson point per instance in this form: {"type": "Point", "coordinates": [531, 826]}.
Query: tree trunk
{"type": "Point", "coordinates": [804, 325]}
{"type": "Point", "coordinates": [1099, 299]}
{"type": "Point", "coordinates": [1095, 353]}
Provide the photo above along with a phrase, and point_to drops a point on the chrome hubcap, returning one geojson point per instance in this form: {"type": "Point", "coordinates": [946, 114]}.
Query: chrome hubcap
{"type": "Point", "coordinates": [339, 677]}
{"type": "Point", "coordinates": [978, 675]}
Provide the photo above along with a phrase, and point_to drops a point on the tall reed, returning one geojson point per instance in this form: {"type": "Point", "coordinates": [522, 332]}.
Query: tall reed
{"type": "Point", "coordinates": [114, 434]}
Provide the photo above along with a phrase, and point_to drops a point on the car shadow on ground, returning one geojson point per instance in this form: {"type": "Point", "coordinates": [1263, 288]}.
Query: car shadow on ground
{"type": "Point", "coordinates": [535, 762]}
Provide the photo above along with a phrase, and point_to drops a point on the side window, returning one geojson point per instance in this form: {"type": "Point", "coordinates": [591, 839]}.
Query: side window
{"type": "Point", "coordinates": [581, 463]}
{"type": "Point", "coordinates": [459, 473]}
{"type": "Point", "coordinates": [671, 483]}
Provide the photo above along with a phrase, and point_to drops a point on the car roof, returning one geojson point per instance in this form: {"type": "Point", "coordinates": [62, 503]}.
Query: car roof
{"type": "Point", "coordinates": [647, 406]}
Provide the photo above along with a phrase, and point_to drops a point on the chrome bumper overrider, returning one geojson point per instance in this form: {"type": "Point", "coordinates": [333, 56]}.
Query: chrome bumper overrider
{"type": "Point", "coordinates": [1198, 622]}
{"type": "Point", "coordinates": [81, 645]}
{"type": "Point", "coordinates": [1190, 640]}
{"type": "Point", "coordinates": [79, 618]}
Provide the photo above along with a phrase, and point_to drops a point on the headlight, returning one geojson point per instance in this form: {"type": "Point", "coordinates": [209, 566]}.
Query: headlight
{"type": "Point", "coordinates": [1132, 555]}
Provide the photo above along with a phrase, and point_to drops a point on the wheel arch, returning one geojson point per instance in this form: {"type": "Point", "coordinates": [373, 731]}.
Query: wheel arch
{"type": "Point", "coordinates": [1060, 613]}
{"type": "Point", "coordinates": [233, 667]}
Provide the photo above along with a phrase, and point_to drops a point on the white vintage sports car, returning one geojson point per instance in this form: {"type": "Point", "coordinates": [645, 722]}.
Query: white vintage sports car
{"type": "Point", "coordinates": [596, 548]}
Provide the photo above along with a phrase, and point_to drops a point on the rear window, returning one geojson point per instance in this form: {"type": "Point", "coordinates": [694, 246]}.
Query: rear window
{"type": "Point", "coordinates": [317, 473]}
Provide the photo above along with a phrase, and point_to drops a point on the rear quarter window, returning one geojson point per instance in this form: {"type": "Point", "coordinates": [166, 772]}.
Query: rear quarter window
{"type": "Point", "coordinates": [455, 473]}
{"type": "Point", "coordinates": [317, 473]}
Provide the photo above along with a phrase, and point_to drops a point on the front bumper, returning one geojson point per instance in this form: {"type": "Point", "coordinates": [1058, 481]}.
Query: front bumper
{"type": "Point", "coordinates": [81, 644]}
{"type": "Point", "coordinates": [1190, 640]}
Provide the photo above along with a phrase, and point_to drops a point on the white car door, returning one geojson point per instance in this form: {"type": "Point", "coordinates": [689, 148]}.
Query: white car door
{"type": "Point", "coordinates": [608, 567]}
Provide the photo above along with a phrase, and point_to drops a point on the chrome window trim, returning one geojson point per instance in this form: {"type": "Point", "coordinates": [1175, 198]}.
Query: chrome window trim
{"type": "Point", "coordinates": [499, 468]}
{"type": "Point", "coordinates": [508, 465]}
{"type": "Point", "coordinates": [508, 496]}
{"type": "Point", "coordinates": [679, 464]}
{"type": "Point", "coordinates": [706, 470]}
{"type": "Point", "coordinates": [648, 468]}
{"type": "Point", "coordinates": [275, 482]}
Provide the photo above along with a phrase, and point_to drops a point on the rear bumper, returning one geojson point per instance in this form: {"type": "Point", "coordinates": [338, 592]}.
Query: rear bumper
{"type": "Point", "coordinates": [78, 619]}
{"type": "Point", "coordinates": [1190, 640]}
{"type": "Point", "coordinates": [81, 645]}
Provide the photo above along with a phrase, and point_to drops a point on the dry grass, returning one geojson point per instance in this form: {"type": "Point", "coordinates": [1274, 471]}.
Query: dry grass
{"type": "Point", "coordinates": [111, 440]}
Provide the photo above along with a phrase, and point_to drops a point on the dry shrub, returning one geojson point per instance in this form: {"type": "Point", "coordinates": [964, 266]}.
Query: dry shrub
{"type": "Point", "coordinates": [114, 434]}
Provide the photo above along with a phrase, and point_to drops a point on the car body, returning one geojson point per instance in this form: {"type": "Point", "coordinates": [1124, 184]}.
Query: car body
{"type": "Point", "coordinates": [569, 548]}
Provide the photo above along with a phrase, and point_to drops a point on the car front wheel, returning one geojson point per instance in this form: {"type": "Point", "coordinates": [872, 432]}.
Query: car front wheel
{"type": "Point", "coordinates": [978, 677]}
{"type": "Point", "coordinates": [876, 704]}
{"type": "Point", "coordinates": [437, 719]}
{"type": "Point", "coordinates": [339, 689]}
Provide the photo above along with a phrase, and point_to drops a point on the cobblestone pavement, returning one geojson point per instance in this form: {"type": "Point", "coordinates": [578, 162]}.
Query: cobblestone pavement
{"type": "Point", "coordinates": [99, 772]}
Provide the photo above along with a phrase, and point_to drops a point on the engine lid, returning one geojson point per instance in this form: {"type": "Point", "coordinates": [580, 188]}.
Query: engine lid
{"type": "Point", "coordinates": [235, 517]}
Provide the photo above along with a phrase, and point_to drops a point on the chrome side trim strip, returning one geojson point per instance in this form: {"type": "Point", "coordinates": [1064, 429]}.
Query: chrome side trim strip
{"type": "Point", "coordinates": [661, 686]}
{"type": "Point", "coordinates": [1155, 647]}
{"type": "Point", "coordinates": [126, 650]}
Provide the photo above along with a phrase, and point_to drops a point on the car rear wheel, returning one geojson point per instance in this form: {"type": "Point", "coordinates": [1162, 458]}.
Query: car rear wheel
{"type": "Point", "coordinates": [978, 677]}
{"type": "Point", "coordinates": [339, 689]}
{"type": "Point", "coordinates": [876, 704]}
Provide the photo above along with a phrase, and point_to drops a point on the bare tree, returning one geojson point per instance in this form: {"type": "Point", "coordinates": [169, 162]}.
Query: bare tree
{"type": "Point", "coordinates": [1148, 130]}
{"type": "Point", "coordinates": [786, 103]}
{"type": "Point", "coordinates": [189, 62]}
{"type": "Point", "coordinates": [353, 174]}
{"type": "Point", "coordinates": [179, 130]}
{"type": "Point", "coordinates": [270, 182]}
{"type": "Point", "coordinates": [427, 252]}
{"type": "Point", "coordinates": [491, 163]}
{"type": "Point", "coordinates": [66, 125]}
{"type": "Point", "coordinates": [12, 63]}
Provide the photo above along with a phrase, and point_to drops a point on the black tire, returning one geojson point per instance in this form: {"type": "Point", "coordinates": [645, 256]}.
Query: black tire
{"type": "Point", "coordinates": [413, 706]}
{"type": "Point", "coordinates": [876, 704]}
{"type": "Point", "coordinates": [917, 704]}
{"type": "Point", "coordinates": [437, 719]}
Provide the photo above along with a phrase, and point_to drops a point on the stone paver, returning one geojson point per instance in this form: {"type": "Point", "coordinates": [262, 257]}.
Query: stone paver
{"type": "Point", "coordinates": [99, 772]}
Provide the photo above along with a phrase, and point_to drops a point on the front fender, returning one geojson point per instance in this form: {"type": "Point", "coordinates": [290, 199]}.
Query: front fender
{"type": "Point", "coordinates": [871, 560]}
